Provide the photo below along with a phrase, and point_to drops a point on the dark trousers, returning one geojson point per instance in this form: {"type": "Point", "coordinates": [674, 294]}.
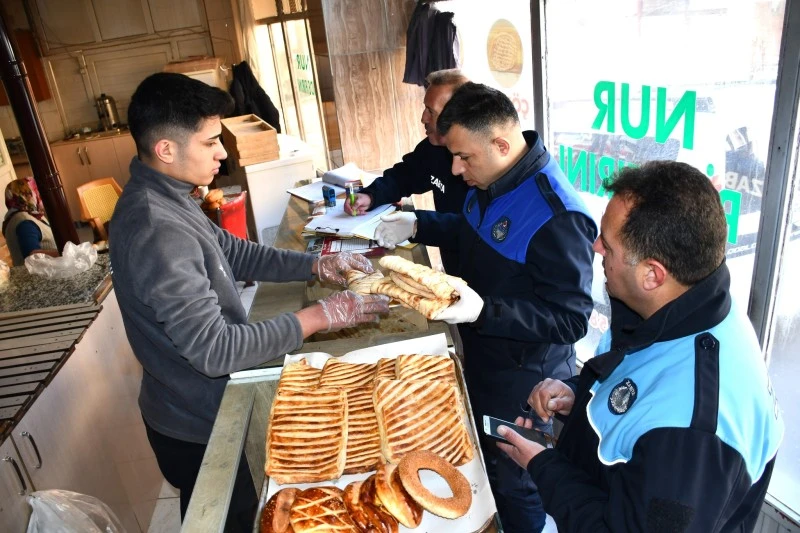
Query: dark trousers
{"type": "Point", "coordinates": [179, 462]}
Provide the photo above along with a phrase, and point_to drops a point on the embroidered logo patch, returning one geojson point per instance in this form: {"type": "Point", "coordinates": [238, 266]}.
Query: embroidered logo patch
{"type": "Point", "coordinates": [622, 397]}
{"type": "Point", "coordinates": [500, 229]}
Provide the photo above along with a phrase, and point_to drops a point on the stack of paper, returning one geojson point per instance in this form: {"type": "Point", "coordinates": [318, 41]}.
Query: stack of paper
{"type": "Point", "coordinates": [336, 222]}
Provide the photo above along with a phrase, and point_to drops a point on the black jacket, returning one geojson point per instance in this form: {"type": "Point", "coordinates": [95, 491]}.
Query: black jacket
{"type": "Point", "coordinates": [535, 307]}
{"type": "Point", "coordinates": [431, 41]}
{"type": "Point", "coordinates": [250, 98]}
{"type": "Point", "coordinates": [690, 476]}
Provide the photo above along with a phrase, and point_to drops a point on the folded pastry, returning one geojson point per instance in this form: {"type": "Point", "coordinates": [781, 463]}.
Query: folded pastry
{"type": "Point", "coordinates": [361, 282]}
{"type": "Point", "coordinates": [368, 516]}
{"type": "Point", "coordinates": [306, 441]}
{"type": "Point", "coordinates": [336, 373]}
{"type": "Point", "coordinates": [408, 284]}
{"type": "Point", "coordinates": [421, 415]}
{"type": "Point", "coordinates": [432, 280]}
{"type": "Point", "coordinates": [321, 510]}
{"type": "Point", "coordinates": [300, 375]}
{"type": "Point", "coordinates": [384, 369]}
{"type": "Point", "coordinates": [428, 308]}
{"type": "Point", "coordinates": [430, 367]}
{"type": "Point", "coordinates": [363, 439]}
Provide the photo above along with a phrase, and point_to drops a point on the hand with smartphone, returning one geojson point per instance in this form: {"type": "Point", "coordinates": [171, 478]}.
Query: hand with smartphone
{"type": "Point", "coordinates": [521, 443]}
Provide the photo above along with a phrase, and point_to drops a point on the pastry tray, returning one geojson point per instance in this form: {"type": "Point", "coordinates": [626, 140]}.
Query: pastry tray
{"type": "Point", "coordinates": [482, 515]}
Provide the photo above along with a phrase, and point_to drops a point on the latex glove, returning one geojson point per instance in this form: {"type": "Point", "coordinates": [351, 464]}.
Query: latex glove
{"type": "Point", "coordinates": [395, 228]}
{"type": "Point", "coordinates": [346, 309]}
{"type": "Point", "coordinates": [363, 201]}
{"type": "Point", "coordinates": [331, 268]}
{"type": "Point", "coordinates": [551, 396]}
{"type": "Point", "coordinates": [521, 450]}
{"type": "Point", "coordinates": [466, 309]}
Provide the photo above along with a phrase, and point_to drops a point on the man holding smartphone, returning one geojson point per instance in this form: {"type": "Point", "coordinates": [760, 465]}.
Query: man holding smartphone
{"type": "Point", "coordinates": [674, 427]}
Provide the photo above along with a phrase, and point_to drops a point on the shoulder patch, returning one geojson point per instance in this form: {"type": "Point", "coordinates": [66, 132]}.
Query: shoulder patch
{"type": "Point", "coordinates": [500, 229]}
{"type": "Point", "coordinates": [622, 396]}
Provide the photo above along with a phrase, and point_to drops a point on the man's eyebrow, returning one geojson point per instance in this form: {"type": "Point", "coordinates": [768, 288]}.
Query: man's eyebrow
{"type": "Point", "coordinates": [217, 136]}
{"type": "Point", "coordinates": [459, 154]}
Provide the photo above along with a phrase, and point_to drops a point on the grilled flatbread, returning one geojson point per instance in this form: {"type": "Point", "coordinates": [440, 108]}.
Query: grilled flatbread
{"type": "Point", "coordinates": [299, 375]}
{"type": "Point", "coordinates": [428, 308]}
{"type": "Point", "coordinates": [359, 282]}
{"type": "Point", "coordinates": [429, 367]}
{"type": "Point", "coordinates": [336, 373]}
{"type": "Point", "coordinates": [436, 282]}
{"type": "Point", "coordinates": [408, 284]}
{"type": "Point", "coordinates": [421, 415]}
{"type": "Point", "coordinates": [363, 439]}
{"type": "Point", "coordinates": [384, 369]}
{"type": "Point", "coordinates": [306, 438]}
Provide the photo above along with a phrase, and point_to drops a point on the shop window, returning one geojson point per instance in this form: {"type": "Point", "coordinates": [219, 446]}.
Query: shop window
{"type": "Point", "coordinates": [686, 80]}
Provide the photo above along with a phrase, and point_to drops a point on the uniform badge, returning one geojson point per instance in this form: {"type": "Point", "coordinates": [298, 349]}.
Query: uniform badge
{"type": "Point", "coordinates": [622, 397]}
{"type": "Point", "coordinates": [500, 229]}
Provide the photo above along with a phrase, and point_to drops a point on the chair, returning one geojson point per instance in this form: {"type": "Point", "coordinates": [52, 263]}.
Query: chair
{"type": "Point", "coordinates": [98, 199]}
{"type": "Point", "coordinates": [232, 215]}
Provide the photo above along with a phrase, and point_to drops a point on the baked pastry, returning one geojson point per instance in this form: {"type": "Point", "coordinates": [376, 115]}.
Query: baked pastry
{"type": "Point", "coordinates": [275, 516]}
{"type": "Point", "coordinates": [321, 510]}
{"type": "Point", "coordinates": [404, 282]}
{"type": "Point", "coordinates": [453, 507]}
{"type": "Point", "coordinates": [336, 373]}
{"type": "Point", "coordinates": [421, 415]}
{"type": "Point", "coordinates": [367, 516]}
{"type": "Point", "coordinates": [306, 438]}
{"type": "Point", "coordinates": [384, 369]}
{"type": "Point", "coordinates": [361, 282]}
{"type": "Point", "coordinates": [363, 439]}
{"type": "Point", "coordinates": [395, 498]}
{"type": "Point", "coordinates": [430, 367]}
{"type": "Point", "coordinates": [429, 308]}
{"type": "Point", "coordinates": [300, 375]}
{"type": "Point", "coordinates": [434, 281]}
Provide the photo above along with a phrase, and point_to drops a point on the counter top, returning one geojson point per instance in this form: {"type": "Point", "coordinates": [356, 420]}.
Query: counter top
{"type": "Point", "coordinates": [26, 291]}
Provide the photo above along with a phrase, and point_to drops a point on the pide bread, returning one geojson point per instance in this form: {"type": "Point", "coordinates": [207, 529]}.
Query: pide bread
{"type": "Point", "coordinates": [307, 435]}
{"type": "Point", "coordinates": [299, 375]}
{"type": "Point", "coordinates": [384, 369]}
{"type": "Point", "coordinates": [360, 282]}
{"type": "Point", "coordinates": [411, 286]}
{"type": "Point", "coordinates": [433, 281]}
{"type": "Point", "coordinates": [363, 439]}
{"type": "Point", "coordinates": [428, 367]}
{"type": "Point", "coordinates": [337, 373]}
{"type": "Point", "coordinates": [421, 415]}
{"type": "Point", "coordinates": [426, 307]}
{"type": "Point", "coordinates": [321, 510]}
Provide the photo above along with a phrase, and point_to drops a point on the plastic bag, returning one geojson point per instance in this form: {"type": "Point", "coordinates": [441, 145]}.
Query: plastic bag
{"type": "Point", "coordinates": [62, 511]}
{"type": "Point", "coordinates": [5, 274]}
{"type": "Point", "coordinates": [73, 260]}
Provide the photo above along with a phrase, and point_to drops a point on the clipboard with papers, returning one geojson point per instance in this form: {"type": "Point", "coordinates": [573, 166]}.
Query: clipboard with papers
{"type": "Point", "coordinates": [336, 222]}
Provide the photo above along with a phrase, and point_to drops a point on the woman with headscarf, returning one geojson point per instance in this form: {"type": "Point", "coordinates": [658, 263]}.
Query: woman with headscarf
{"type": "Point", "coordinates": [25, 227]}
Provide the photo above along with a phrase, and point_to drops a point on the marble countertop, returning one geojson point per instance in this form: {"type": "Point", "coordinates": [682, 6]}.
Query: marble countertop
{"type": "Point", "coordinates": [26, 291]}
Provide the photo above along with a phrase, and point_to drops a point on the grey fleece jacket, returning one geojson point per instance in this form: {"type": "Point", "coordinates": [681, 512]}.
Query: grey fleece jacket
{"type": "Point", "coordinates": [173, 274]}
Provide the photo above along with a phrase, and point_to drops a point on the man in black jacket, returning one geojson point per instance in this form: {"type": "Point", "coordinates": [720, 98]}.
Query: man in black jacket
{"type": "Point", "coordinates": [524, 243]}
{"type": "Point", "coordinates": [675, 426]}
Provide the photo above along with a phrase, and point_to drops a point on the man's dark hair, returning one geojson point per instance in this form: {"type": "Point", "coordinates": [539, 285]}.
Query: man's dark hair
{"type": "Point", "coordinates": [676, 218]}
{"type": "Point", "coordinates": [172, 106]}
{"type": "Point", "coordinates": [477, 108]}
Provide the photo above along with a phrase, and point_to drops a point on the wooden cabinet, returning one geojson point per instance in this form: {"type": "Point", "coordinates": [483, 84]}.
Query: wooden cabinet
{"type": "Point", "coordinates": [82, 162]}
{"type": "Point", "coordinates": [15, 485]}
{"type": "Point", "coordinates": [125, 148]}
{"type": "Point", "coordinates": [175, 14]}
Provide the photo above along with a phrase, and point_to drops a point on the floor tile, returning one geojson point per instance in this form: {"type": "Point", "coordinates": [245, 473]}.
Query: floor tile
{"type": "Point", "coordinates": [166, 517]}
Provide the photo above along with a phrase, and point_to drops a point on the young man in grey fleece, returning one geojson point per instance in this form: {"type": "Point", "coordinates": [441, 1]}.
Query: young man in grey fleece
{"type": "Point", "coordinates": [174, 275]}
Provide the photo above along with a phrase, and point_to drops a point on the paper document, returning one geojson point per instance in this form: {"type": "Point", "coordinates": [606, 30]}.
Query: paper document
{"type": "Point", "coordinates": [313, 191]}
{"type": "Point", "coordinates": [336, 222]}
{"type": "Point", "coordinates": [349, 173]}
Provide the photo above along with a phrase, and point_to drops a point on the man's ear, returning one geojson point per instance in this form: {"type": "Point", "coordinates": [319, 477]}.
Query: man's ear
{"type": "Point", "coordinates": [502, 144]}
{"type": "Point", "coordinates": [164, 150]}
{"type": "Point", "coordinates": [654, 275]}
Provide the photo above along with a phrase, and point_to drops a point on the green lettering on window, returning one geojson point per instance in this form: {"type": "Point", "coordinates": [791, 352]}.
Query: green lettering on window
{"type": "Point", "coordinates": [731, 204]}
{"type": "Point", "coordinates": [685, 108]}
{"type": "Point", "coordinates": [604, 108]}
{"type": "Point", "coordinates": [635, 132]}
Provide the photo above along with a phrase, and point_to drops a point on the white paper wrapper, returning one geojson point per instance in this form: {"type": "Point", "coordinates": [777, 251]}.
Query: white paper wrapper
{"type": "Point", "coordinates": [483, 506]}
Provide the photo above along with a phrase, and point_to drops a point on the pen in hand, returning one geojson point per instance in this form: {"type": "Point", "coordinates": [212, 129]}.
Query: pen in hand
{"type": "Point", "coordinates": [352, 195]}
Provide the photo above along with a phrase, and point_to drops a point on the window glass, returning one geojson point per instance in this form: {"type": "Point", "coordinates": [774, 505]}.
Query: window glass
{"type": "Point", "coordinates": [284, 79]}
{"type": "Point", "coordinates": [689, 80]}
{"type": "Point", "coordinates": [784, 364]}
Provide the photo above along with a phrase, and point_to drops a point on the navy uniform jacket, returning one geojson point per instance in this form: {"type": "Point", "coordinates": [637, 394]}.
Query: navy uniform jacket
{"type": "Point", "coordinates": [525, 246]}
{"type": "Point", "coordinates": [675, 429]}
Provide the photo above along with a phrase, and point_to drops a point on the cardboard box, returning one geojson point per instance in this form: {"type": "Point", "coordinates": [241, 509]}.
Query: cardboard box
{"type": "Point", "coordinates": [249, 140]}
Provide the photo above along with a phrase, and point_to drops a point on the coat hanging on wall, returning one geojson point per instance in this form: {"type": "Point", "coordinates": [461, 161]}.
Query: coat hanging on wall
{"type": "Point", "coordinates": [431, 43]}
{"type": "Point", "coordinates": [251, 98]}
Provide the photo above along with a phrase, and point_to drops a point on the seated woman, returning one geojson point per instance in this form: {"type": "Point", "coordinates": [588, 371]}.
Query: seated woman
{"type": "Point", "coordinates": [25, 227]}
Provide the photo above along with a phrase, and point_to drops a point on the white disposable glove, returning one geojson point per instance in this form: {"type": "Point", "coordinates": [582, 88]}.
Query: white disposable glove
{"type": "Point", "coordinates": [466, 309]}
{"type": "Point", "coordinates": [396, 228]}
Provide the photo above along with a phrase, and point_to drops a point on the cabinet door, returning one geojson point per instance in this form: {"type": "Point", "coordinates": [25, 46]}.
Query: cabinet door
{"type": "Point", "coordinates": [175, 14]}
{"type": "Point", "coordinates": [66, 23]}
{"type": "Point", "coordinates": [102, 159]}
{"type": "Point", "coordinates": [14, 486]}
{"type": "Point", "coordinates": [126, 150]}
{"type": "Point", "coordinates": [121, 18]}
{"type": "Point", "coordinates": [74, 171]}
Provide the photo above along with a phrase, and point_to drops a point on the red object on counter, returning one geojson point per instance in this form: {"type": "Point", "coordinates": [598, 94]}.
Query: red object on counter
{"type": "Point", "coordinates": [232, 215]}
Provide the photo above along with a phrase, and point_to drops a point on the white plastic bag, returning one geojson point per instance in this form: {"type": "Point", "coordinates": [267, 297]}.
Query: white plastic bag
{"type": "Point", "coordinates": [62, 511]}
{"type": "Point", "coordinates": [73, 260]}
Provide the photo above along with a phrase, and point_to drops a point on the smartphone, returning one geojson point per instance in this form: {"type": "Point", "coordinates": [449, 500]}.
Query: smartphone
{"type": "Point", "coordinates": [490, 424]}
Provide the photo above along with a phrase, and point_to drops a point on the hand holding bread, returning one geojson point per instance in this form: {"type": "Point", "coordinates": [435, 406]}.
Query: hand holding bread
{"type": "Point", "coordinates": [332, 268]}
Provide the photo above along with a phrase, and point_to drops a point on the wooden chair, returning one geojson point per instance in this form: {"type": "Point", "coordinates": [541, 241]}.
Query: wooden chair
{"type": "Point", "coordinates": [98, 199]}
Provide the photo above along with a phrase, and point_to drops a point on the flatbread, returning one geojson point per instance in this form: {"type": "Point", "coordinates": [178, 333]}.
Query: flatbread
{"type": "Point", "coordinates": [362, 283]}
{"type": "Point", "coordinates": [346, 375]}
{"type": "Point", "coordinates": [406, 283]}
{"type": "Point", "coordinates": [429, 308]}
{"type": "Point", "coordinates": [299, 375]}
{"type": "Point", "coordinates": [426, 367]}
{"type": "Point", "coordinates": [434, 281]}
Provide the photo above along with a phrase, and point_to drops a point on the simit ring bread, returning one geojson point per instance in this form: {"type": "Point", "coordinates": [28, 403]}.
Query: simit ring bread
{"type": "Point", "coordinates": [453, 507]}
